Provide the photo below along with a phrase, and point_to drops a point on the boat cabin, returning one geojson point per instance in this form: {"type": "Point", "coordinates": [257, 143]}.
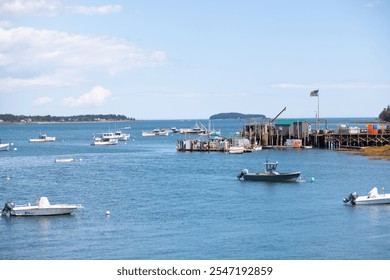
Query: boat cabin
{"type": "Point", "coordinates": [270, 167]}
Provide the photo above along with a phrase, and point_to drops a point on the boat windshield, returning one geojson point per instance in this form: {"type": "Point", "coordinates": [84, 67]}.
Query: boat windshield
{"type": "Point", "coordinates": [271, 166]}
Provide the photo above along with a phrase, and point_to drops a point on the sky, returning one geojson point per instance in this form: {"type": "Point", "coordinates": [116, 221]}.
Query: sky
{"type": "Point", "coordinates": [174, 59]}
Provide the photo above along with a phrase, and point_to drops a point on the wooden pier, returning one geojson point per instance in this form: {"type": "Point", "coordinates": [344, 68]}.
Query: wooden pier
{"type": "Point", "coordinates": [290, 134]}
{"type": "Point", "coordinates": [268, 135]}
{"type": "Point", "coordinates": [358, 140]}
{"type": "Point", "coordinates": [195, 145]}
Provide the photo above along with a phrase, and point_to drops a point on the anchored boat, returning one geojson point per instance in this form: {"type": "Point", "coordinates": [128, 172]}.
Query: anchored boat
{"type": "Point", "coordinates": [117, 135]}
{"type": "Point", "coordinates": [44, 208]}
{"type": "Point", "coordinates": [155, 132]}
{"type": "Point", "coordinates": [100, 141]}
{"type": "Point", "coordinates": [269, 175]}
{"type": "Point", "coordinates": [373, 197]}
{"type": "Point", "coordinates": [4, 147]}
{"type": "Point", "coordinates": [43, 138]}
{"type": "Point", "coordinates": [64, 160]}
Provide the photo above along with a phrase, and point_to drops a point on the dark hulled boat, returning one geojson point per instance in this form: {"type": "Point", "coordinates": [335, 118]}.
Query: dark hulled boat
{"type": "Point", "coordinates": [269, 175]}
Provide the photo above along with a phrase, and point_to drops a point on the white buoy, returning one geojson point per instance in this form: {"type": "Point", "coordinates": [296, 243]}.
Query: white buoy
{"type": "Point", "coordinates": [312, 180]}
{"type": "Point", "coordinates": [108, 213]}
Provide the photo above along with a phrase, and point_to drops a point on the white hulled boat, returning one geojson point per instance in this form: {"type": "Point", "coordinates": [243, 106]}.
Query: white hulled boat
{"type": "Point", "coordinates": [100, 141]}
{"type": "Point", "coordinates": [373, 197]}
{"type": "Point", "coordinates": [64, 160]}
{"type": "Point", "coordinates": [117, 135]}
{"type": "Point", "coordinates": [155, 132]}
{"type": "Point", "coordinates": [43, 138]}
{"type": "Point", "coordinates": [4, 146]}
{"type": "Point", "coordinates": [197, 129]}
{"type": "Point", "coordinates": [43, 208]}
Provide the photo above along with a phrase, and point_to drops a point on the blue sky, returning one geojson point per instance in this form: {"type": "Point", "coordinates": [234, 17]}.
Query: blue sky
{"type": "Point", "coordinates": [177, 59]}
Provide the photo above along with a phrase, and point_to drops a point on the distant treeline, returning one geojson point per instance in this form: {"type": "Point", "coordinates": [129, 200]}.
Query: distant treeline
{"type": "Point", "coordinates": [49, 118]}
{"type": "Point", "coordinates": [385, 115]}
{"type": "Point", "coordinates": [236, 116]}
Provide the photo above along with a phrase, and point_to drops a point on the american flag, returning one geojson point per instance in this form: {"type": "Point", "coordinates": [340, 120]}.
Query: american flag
{"type": "Point", "coordinates": [314, 92]}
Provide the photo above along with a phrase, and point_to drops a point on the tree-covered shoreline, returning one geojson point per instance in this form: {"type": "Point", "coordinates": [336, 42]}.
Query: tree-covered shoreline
{"type": "Point", "coordinates": [385, 115]}
{"type": "Point", "coordinates": [10, 118]}
{"type": "Point", "coordinates": [236, 116]}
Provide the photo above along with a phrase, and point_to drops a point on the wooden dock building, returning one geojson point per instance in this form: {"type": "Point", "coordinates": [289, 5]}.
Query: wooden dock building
{"type": "Point", "coordinates": [353, 140]}
{"type": "Point", "coordinates": [293, 134]}
{"type": "Point", "coordinates": [277, 135]}
{"type": "Point", "coordinates": [268, 135]}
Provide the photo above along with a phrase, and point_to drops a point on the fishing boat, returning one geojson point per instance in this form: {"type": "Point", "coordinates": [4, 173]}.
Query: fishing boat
{"type": "Point", "coordinates": [117, 135]}
{"type": "Point", "coordinates": [373, 197]}
{"type": "Point", "coordinates": [43, 138]}
{"type": "Point", "coordinates": [122, 136]}
{"type": "Point", "coordinates": [270, 174]}
{"type": "Point", "coordinates": [100, 141]}
{"type": "Point", "coordinates": [43, 208]}
{"type": "Point", "coordinates": [197, 129]}
{"type": "Point", "coordinates": [155, 132]}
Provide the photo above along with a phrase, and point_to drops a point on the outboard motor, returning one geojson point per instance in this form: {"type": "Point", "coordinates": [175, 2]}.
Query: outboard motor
{"type": "Point", "coordinates": [242, 173]}
{"type": "Point", "coordinates": [351, 198]}
{"type": "Point", "coordinates": [8, 207]}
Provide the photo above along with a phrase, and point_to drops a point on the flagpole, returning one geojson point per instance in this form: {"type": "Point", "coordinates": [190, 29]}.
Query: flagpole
{"type": "Point", "coordinates": [314, 93]}
{"type": "Point", "coordinates": [318, 111]}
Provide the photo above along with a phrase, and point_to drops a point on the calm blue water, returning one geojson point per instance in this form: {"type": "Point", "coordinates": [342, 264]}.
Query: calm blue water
{"type": "Point", "coordinates": [170, 205]}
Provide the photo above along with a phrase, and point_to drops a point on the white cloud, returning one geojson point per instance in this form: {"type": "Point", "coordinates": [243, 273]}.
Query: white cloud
{"type": "Point", "coordinates": [52, 8]}
{"type": "Point", "coordinates": [96, 97]}
{"type": "Point", "coordinates": [372, 4]}
{"type": "Point", "coordinates": [101, 10]}
{"type": "Point", "coordinates": [10, 84]}
{"type": "Point", "coordinates": [197, 94]}
{"type": "Point", "coordinates": [28, 7]}
{"type": "Point", "coordinates": [333, 86]}
{"type": "Point", "coordinates": [38, 57]}
{"type": "Point", "coordinates": [5, 23]}
{"type": "Point", "coordinates": [42, 100]}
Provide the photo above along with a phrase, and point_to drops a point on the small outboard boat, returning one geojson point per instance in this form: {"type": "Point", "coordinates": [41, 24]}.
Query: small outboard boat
{"type": "Point", "coordinates": [270, 174]}
{"type": "Point", "coordinates": [373, 197]}
{"type": "Point", "coordinates": [44, 208]}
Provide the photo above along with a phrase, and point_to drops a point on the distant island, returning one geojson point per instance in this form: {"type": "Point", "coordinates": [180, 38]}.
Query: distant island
{"type": "Point", "coordinates": [236, 116]}
{"type": "Point", "coordinates": [9, 118]}
{"type": "Point", "coordinates": [384, 116]}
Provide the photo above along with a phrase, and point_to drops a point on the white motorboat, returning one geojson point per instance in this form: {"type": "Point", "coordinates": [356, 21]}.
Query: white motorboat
{"type": "Point", "coordinates": [43, 208]}
{"type": "Point", "coordinates": [155, 132]}
{"type": "Point", "coordinates": [373, 197]}
{"type": "Point", "coordinates": [64, 160]}
{"type": "Point", "coordinates": [117, 135]}
{"type": "Point", "coordinates": [236, 150]}
{"type": "Point", "coordinates": [4, 147]}
{"type": "Point", "coordinates": [100, 141]}
{"type": "Point", "coordinates": [239, 146]}
{"type": "Point", "coordinates": [122, 136]}
{"type": "Point", "coordinates": [197, 129]}
{"type": "Point", "coordinates": [43, 138]}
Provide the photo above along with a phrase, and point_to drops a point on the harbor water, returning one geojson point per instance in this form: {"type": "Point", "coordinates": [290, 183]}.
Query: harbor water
{"type": "Point", "coordinates": [169, 205]}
